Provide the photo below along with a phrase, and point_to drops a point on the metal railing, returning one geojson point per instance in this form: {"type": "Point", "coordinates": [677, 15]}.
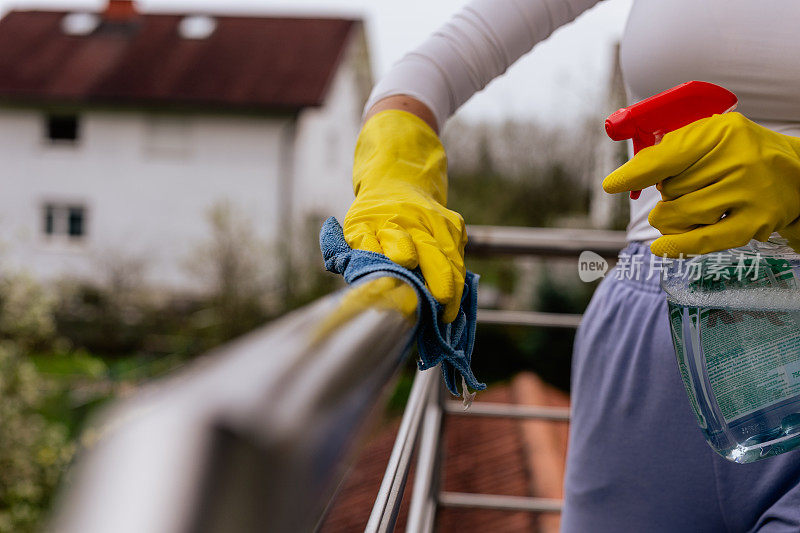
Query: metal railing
{"type": "Point", "coordinates": [427, 496]}
{"type": "Point", "coordinates": [257, 435]}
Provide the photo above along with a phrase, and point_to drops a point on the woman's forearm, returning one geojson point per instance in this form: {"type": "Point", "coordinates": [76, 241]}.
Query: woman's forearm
{"type": "Point", "coordinates": [478, 44]}
{"type": "Point", "coordinates": [404, 103]}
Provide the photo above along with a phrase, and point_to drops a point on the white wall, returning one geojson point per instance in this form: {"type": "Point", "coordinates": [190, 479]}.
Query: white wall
{"type": "Point", "coordinates": [147, 199]}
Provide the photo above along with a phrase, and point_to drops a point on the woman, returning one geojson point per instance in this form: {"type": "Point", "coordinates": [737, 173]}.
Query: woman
{"type": "Point", "coordinates": [636, 460]}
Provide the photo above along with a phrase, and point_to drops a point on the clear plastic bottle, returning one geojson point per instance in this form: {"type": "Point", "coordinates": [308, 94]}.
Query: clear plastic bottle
{"type": "Point", "coordinates": [735, 323]}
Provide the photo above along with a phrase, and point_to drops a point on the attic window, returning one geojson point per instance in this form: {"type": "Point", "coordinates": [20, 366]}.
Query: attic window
{"type": "Point", "coordinates": [197, 27]}
{"type": "Point", "coordinates": [62, 128]}
{"type": "Point", "coordinates": [79, 23]}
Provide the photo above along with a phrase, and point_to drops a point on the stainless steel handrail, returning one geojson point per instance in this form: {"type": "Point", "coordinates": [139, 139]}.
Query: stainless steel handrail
{"type": "Point", "coordinates": [254, 437]}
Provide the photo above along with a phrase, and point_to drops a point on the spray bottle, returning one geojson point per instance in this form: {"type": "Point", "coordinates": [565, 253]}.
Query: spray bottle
{"type": "Point", "coordinates": [734, 315]}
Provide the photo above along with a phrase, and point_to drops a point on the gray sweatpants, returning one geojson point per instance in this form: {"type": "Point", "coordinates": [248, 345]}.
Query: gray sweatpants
{"type": "Point", "coordinates": [636, 459]}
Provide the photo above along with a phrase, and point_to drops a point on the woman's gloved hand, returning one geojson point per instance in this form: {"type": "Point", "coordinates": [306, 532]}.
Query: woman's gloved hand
{"type": "Point", "coordinates": [724, 180]}
{"type": "Point", "coordinates": [400, 182]}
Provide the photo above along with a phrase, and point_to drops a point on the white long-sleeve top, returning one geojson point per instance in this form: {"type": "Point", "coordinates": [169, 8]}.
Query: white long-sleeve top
{"type": "Point", "coordinates": [749, 47]}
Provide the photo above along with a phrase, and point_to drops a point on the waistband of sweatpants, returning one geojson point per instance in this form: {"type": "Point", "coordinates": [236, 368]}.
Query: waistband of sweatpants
{"type": "Point", "coordinates": [638, 268]}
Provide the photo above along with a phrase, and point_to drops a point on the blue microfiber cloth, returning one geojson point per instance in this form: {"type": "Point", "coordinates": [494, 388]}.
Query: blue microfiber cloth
{"type": "Point", "coordinates": [437, 342]}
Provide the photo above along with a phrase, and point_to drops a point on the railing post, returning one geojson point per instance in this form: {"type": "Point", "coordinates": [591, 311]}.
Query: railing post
{"type": "Point", "coordinates": [390, 495]}
{"type": "Point", "coordinates": [425, 494]}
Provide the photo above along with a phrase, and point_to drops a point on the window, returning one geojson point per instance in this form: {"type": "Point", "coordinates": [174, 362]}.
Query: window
{"type": "Point", "coordinates": [62, 128]}
{"type": "Point", "coordinates": [64, 220]}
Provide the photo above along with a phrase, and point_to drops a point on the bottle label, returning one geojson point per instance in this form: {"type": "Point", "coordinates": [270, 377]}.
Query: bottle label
{"type": "Point", "coordinates": [752, 358]}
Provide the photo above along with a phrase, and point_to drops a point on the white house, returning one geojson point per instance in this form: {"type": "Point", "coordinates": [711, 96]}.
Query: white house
{"type": "Point", "coordinates": [120, 129]}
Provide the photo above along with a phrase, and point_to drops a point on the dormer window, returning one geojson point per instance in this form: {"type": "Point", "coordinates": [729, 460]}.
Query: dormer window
{"type": "Point", "coordinates": [197, 27]}
{"type": "Point", "coordinates": [62, 129]}
{"type": "Point", "coordinates": [79, 24]}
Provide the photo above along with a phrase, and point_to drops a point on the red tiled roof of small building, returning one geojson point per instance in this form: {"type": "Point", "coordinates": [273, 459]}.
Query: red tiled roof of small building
{"type": "Point", "coordinates": [250, 63]}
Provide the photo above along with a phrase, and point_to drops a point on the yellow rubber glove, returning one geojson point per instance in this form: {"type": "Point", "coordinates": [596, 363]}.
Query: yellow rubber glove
{"type": "Point", "coordinates": [724, 180]}
{"type": "Point", "coordinates": [400, 182]}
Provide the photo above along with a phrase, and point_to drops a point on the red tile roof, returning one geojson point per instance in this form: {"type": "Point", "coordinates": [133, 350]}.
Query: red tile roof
{"type": "Point", "coordinates": [250, 63]}
{"type": "Point", "coordinates": [480, 455]}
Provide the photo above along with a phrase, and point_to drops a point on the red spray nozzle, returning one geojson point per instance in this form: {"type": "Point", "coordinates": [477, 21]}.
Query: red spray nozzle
{"type": "Point", "coordinates": [647, 121]}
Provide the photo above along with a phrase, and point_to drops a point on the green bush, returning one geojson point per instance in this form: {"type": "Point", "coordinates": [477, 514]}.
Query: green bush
{"type": "Point", "coordinates": [34, 451]}
{"type": "Point", "coordinates": [26, 312]}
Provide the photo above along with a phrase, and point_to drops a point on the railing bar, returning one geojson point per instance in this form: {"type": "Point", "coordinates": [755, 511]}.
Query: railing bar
{"type": "Point", "coordinates": [423, 497]}
{"type": "Point", "coordinates": [433, 506]}
{"type": "Point", "coordinates": [429, 519]}
{"type": "Point", "coordinates": [497, 502]}
{"type": "Point", "coordinates": [492, 250]}
{"type": "Point", "coordinates": [506, 410]}
{"type": "Point", "coordinates": [553, 242]}
{"type": "Point", "coordinates": [387, 503]}
{"type": "Point", "coordinates": [528, 318]}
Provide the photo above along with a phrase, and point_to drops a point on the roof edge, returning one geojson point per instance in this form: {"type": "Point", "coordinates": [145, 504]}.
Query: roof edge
{"type": "Point", "coordinates": [142, 106]}
{"type": "Point", "coordinates": [343, 51]}
{"type": "Point", "coordinates": [257, 16]}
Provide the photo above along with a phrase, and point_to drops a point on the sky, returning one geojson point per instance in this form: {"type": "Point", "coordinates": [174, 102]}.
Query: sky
{"type": "Point", "coordinates": [561, 80]}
